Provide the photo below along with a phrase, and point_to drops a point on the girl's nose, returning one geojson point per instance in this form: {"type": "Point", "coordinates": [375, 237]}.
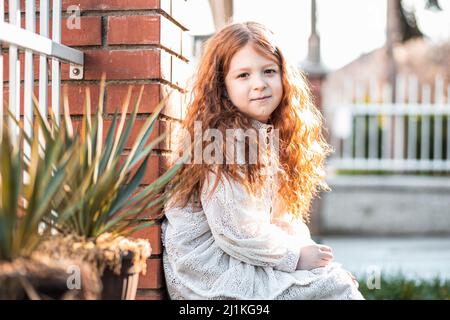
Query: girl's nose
{"type": "Point", "coordinates": [259, 83]}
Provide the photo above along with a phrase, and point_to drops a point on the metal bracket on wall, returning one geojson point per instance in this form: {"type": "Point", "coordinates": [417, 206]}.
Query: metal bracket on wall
{"type": "Point", "coordinates": [76, 72]}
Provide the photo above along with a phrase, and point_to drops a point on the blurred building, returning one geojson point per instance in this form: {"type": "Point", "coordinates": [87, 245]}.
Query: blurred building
{"type": "Point", "coordinates": [419, 57]}
{"type": "Point", "coordinates": [389, 114]}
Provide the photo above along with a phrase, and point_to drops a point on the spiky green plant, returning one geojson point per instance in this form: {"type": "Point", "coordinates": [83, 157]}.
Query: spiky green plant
{"type": "Point", "coordinates": [104, 194]}
{"type": "Point", "coordinates": [29, 189]}
{"type": "Point", "coordinates": [77, 184]}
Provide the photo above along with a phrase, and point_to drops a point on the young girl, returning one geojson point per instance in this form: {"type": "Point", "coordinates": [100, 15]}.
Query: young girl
{"type": "Point", "coordinates": [235, 226]}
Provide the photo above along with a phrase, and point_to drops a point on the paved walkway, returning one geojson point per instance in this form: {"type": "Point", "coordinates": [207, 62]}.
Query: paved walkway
{"type": "Point", "coordinates": [418, 258]}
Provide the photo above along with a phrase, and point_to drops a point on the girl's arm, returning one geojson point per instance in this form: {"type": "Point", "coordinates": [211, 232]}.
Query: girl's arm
{"type": "Point", "coordinates": [312, 255]}
{"type": "Point", "coordinates": [293, 226]}
{"type": "Point", "coordinates": [242, 228]}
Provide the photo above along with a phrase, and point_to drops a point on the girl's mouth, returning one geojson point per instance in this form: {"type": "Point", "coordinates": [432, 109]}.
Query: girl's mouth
{"type": "Point", "coordinates": [262, 99]}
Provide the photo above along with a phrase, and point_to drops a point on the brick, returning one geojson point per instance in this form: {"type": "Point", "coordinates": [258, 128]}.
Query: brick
{"type": "Point", "coordinates": [173, 105]}
{"type": "Point", "coordinates": [133, 135]}
{"type": "Point", "coordinates": [134, 30]}
{"type": "Point", "coordinates": [181, 72]}
{"type": "Point", "coordinates": [89, 33]}
{"type": "Point", "coordinates": [151, 173]}
{"type": "Point", "coordinates": [132, 64]}
{"type": "Point", "coordinates": [164, 163]}
{"type": "Point", "coordinates": [154, 160]}
{"type": "Point", "coordinates": [174, 141]}
{"type": "Point", "coordinates": [153, 234]}
{"type": "Point", "coordinates": [152, 30]}
{"type": "Point", "coordinates": [76, 96]}
{"type": "Point", "coordinates": [103, 5]}
{"type": "Point", "coordinates": [22, 66]}
{"type": "Point", "coordinates": [181, 13]}
{"type": "Point", "coordinates": [116, 94]}
{"type": "Point", "coordinates": [154, 277]}
{"type": "Point", "coordinates": [164, 127]}
{"type": "Point", "coordinates": [151, 97]}
{"type": "Point", "coordinates": [6, 97]}
{"type": "Point", "coordinates": [22, 5]}
{"type": "Point", "coordinates": [166, 65]}
{"type": "Point", "coordinates": [187, 44]}
{"type": "Point", "coordinates": [185, 98]}
{"type": "Point", "coordinates": [152, 294]}
{"type": "Point", "coordinates": [150, 214]}
{"type": "Point", "coordinates": [170, 35]}
{"type": "Point", "coordinates": [134, 131]}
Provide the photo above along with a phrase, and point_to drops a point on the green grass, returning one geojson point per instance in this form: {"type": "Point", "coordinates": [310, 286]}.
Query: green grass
{"type": "Point", "coordinates": [398, 287]}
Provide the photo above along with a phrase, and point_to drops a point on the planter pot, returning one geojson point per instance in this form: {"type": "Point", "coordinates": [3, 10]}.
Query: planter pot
{"type": "Point", "coordinates": [121, 286]}
{"type": "Point", "coordinates": [25, 279]}
{"type": "Point", "coordinates": [18, 286]}
{"type": "Point", "coordinates": [123, 257]}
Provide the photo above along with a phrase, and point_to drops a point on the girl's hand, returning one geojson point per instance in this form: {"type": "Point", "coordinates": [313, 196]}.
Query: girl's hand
{"type": "Point", "coordinates": [314, 256]}
{"type": "Point", "coordinates": [355, 281]}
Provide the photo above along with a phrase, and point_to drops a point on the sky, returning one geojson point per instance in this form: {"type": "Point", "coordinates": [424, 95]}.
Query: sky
{"type": "Point", "coordinates": [347, 28]}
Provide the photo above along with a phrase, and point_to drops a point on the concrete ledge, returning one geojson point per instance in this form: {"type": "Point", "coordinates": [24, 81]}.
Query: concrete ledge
{"type": "Point", "coordinates": [396, 181]}
{"type": "Point", "coordinates": [386, 205]}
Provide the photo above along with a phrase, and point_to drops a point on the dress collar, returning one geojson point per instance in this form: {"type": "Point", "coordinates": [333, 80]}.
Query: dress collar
{"type": "Point", "coordinates": [265, 129]}
{"type": "Point", "coordinates": [258, 125]}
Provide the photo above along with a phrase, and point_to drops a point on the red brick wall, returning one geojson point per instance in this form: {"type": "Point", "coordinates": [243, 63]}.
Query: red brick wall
{"type": "Point", "coordinates": [316, 90]}
{"type": "Point", "coordinates": [133, 42]}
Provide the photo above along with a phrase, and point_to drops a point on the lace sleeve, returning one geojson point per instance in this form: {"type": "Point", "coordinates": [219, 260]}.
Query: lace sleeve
{"type": "Point", "coordinates": [240, 224]}
{"type": "Point", "coordinates": [289, 224]}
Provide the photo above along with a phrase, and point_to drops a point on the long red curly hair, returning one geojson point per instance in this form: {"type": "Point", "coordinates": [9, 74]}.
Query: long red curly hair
{"type": "Point", "coordinates": [302, 148]}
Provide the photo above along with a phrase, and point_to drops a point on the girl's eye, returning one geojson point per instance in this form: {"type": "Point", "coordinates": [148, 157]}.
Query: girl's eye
{"type": "Point", "coordinates": [242, 75]}
{"type": "Point", "coordinates": [271, 71]}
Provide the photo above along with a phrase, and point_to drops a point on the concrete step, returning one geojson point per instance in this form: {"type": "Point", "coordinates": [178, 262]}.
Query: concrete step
{"type": "Point", "coordinates": [415, 257]}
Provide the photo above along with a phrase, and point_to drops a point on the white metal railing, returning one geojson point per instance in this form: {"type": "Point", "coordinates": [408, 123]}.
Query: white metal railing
{"type": "Point", "coordinates": [409, 135]}
{"type": "Point", "coordinates": [31, 44]}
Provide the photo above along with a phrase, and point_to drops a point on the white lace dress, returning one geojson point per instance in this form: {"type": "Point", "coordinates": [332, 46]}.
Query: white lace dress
{"type": "Point", "coordinates": [233, 247]}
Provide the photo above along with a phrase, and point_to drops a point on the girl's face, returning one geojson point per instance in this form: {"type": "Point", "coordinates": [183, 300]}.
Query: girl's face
{"type": "Point", "coordinates": [254, 84]}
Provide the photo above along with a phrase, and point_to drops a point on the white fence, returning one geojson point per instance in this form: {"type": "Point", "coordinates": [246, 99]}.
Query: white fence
{"type": "Point", "coordinates": [411, 135]}
{"type": "Point", "coordinates": [28, 41]}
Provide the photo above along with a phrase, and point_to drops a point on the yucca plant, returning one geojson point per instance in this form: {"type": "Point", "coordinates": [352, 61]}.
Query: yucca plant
{"type": "Point", "coordinates": [76, 185]}
{"type": "Point", "coordinates": [30, 187]}
{"type": "Point", "coordinates": [29, 190]}
{"type": "Point", "coordinates": [104, 196]}
{"type": "Point", "coordinates": [105, 203]}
